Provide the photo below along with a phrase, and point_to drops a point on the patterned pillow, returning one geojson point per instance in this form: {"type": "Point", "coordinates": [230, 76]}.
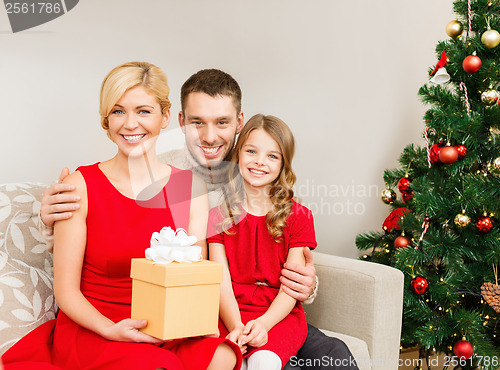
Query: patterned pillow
{"type": "Point", "coordinates": [26, 297]}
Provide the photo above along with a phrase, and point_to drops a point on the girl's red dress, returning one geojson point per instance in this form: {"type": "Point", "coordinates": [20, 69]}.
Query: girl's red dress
{"type": "Point", "coordinates": [255, 263]}
{"type": "Point", "coordinates": [118, 229]}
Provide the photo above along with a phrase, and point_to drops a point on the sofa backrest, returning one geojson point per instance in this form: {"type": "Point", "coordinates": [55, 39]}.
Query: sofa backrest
{"type": "Point", "coordinates": [26, 296]}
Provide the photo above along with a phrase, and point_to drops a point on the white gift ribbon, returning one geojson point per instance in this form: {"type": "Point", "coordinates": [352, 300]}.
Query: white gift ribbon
{"type": "Point", "coordinates": [169, 245]}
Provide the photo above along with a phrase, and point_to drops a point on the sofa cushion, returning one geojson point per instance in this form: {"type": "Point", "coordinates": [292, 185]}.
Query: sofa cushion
{"type": "Point", "coordinates": [26, 298]}
{"type": "Point", "coordinates": [358, 348]}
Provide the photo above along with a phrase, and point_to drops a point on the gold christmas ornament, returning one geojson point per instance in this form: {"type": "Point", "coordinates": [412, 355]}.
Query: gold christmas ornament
{"type": "Point", "coordinates": [462, 220]}
{"type": "Point", "coordinates": [490, 97]}
{"type": "Point", "coordinates": [491, 38]}
{"type": "Point", "coordinates": [454, 29]}
{"type": "Point", "coordinates": [388, 196]}
{"type": "Point", "coordinates": [496, 163]}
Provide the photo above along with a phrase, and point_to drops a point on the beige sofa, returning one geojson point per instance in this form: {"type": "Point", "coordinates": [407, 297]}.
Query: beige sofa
{"type": "Point", "coordinates": [359, 302]}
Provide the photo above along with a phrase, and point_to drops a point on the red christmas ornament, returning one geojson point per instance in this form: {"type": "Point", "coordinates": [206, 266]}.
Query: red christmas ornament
{"type": "Point", "coordinates": [402, 242]}
{"type": "Point", "coordinates": [472, 63]}
{"type": "Point", "coordinates": [484, 224]}
{"type": "Point", "coordinates": [462, 150]}
{"type": "Point", "coordinates": [448, 154]}
{"type": "Point", "coordinates": [463, 349]}
{"type": "Point", "coordinates": [420, 285]}
{"type": "Point", "coordinates": [404, 184]}
{"type": "Point", "coordinates": [391, 222]}
{"type": "Point", "coordinates": [406, 196]}
{"type": "Point", "coordinates": [434, 152]}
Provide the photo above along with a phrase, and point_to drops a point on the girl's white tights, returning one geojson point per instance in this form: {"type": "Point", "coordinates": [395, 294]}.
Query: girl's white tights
{"type": "Point", "coordinates": [262, 360]}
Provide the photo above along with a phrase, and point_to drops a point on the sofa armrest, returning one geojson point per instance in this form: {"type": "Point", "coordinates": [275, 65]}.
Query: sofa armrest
{"type": "Point", "coordinates": [363, 300]}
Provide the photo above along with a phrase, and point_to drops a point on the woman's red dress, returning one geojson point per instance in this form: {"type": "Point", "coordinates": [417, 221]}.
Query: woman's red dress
{"type": "Point", "coordinates": [118, 229]}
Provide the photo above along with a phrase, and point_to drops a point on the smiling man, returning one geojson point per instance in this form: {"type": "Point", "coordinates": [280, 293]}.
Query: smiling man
{"type": "Point", "coordinates": [211, 117]}
{"type": "Point", "coordinates": [210, 124]}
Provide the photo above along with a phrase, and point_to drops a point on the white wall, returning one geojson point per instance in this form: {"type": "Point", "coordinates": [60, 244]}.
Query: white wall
{"type": "Point", "coordinates": [343, 74]}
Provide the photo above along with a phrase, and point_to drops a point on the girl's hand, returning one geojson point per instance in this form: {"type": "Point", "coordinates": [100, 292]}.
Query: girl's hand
{"type": "Point", "coordinates": [254, 334]}
{"type": "Point", "coordinates": [128, 331]}
{"type": "Point", "coordinates": [235, 335]}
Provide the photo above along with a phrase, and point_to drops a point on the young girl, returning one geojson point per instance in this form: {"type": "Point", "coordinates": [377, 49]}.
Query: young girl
{"type": "Point", "coordinates": [259, 228]}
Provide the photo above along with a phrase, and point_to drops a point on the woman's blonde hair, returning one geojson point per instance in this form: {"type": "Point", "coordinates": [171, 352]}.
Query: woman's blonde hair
{"type": "Point", "coordinates": [128, 76]}
{"type": "Point", "coordinates": [281, 192]}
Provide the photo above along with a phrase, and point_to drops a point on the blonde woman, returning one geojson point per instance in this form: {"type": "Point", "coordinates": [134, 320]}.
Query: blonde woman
{"type": "Point", "coordinates": [123, 201]}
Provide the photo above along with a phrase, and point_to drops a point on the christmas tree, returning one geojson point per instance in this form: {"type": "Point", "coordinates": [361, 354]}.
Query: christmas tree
{"type": "Point", "coordinates": [444, 232]}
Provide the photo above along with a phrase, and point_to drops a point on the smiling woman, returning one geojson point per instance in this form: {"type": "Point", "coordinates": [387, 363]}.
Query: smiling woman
{"type": "Point", "coordinates": [93, 248]}
{"type": "Point", "coordinates": [131, 125]}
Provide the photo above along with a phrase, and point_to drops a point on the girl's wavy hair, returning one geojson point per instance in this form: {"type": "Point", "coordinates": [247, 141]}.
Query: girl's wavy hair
{"type": "Point", "coordinates": [280, 191]}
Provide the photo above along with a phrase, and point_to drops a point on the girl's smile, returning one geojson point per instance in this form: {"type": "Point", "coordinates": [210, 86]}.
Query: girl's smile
{"type": "Point", "coordinates": [257, 172]}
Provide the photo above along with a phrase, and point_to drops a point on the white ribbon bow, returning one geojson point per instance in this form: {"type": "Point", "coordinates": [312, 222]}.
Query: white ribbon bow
{"type": "Point", "coordinates": [169, 245]}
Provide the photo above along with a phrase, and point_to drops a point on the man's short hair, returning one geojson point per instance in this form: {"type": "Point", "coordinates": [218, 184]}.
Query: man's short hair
{"type": "Point", "coordinates": [213, 82]}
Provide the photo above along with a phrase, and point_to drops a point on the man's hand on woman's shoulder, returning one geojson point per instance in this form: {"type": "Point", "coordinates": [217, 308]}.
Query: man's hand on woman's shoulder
{"type": "Point", "coordinates": [57, 202]}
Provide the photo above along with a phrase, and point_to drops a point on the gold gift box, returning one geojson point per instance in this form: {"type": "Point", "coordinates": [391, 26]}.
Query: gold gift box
{"type": "Point", "coordinates": [179, 300]}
